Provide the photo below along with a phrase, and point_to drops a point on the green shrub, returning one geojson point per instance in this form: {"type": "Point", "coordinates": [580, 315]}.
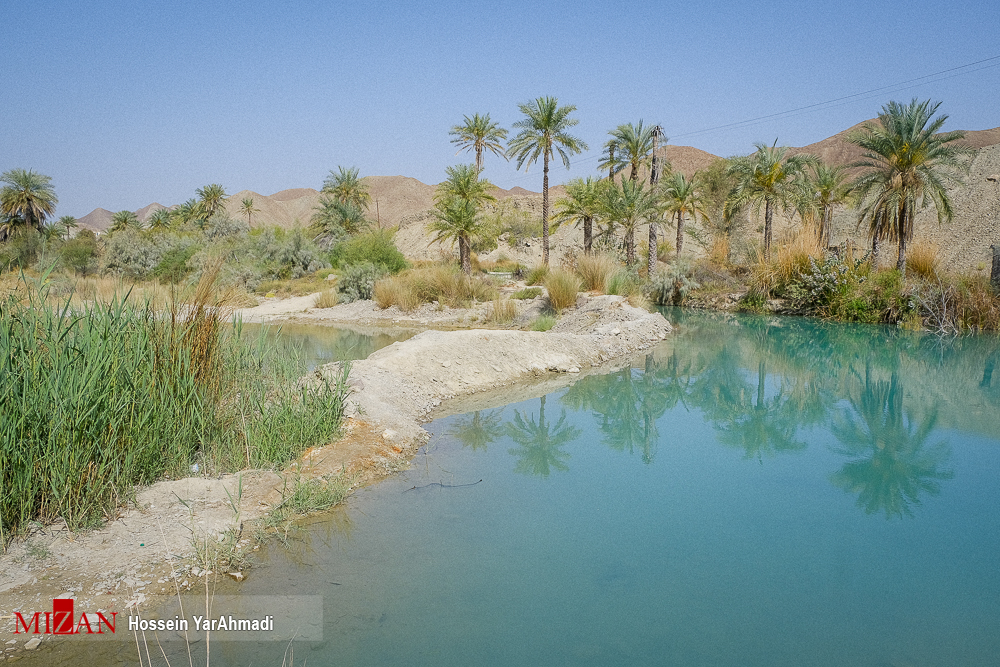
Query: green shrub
{"type": "Point", "coordinates": [20, 250]}
{"type": "Point", "coordinates": [624, 283]}
{"type": "Point", "coordinates": [173, 266]}
{"type": "Point", "coordinates": [79, 254]}
{"type": "Point", "coordinates": [543, 323]}
{"type": "Point", "coordinates": [130, 253]}
{"type": "Point", "coordinates": [357, 282]}
{"type": "Point", "coordinates": [375, 247]}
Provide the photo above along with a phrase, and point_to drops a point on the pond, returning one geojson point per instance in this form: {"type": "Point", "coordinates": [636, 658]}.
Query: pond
{"type": "Point", "coordinates": [753, 491]}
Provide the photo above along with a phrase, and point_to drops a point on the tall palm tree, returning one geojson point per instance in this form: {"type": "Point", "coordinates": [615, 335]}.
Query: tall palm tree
{"type": "Point", "coordinates": [186, 213]}
{"type": "Point", "coordinates": [654, 178]}
{"type": "Point", "coordinates": [582, 203]}
{"type": "Point", "coordinates": [682, 197]}
{"type": "Point", "coordinates": [629, 204]}
{"type": "Point", "coordinates": [123, 220]}
{"type": "Point", "coordinates": [457, 203]}
{"type": "Point", "coordinates": [610, 160]}
{"type": "Point", "coordinates": [541, 131]}
{"type": "Point", "coordinates": [248, 209]}
{"type": "Point", "coordinates": [908, 161]}
{"type": "Point", "coordinates": [635, 145]}
{"type": "Point", "coordinates": [766, 177]}
{"type": "Point", "coordinates": [479, 133]}
{"type": "Point", "coordinates": [819, 194]}
{"type": "Point", "coordinates": [67, 224]}
{"type": "Point", "coordinates": [347, 187]}
{"type": "Point", "coordinates": [211, 199]}
{"type": "Point", "coordinates": [27, 198]}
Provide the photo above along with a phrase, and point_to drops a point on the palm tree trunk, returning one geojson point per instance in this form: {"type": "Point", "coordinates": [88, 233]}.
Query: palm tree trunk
{"type": "Point", "coordinates": [875, 253]}
{"type": "Point", "coordinates": [545, 211]}
{"type": "Point", "coordinates": [825, 231]}
{"type": "Point", "coordinates": [654, 167]}
{"type": "Point", "coordinates": [902, 232]}
{"type": "Point", "coordinates": [680, 234]}
{"type": "Point", "coordinates": [588, 234]}
{"type": "Point", "coordinates": [630, 246]}
{"type": "Point", "coordinates": [651, 263]}
{"type": "Point", "coordinates": [768, 218]}
{"type": "Point", "coordinates": [465, 254]}
{"type": "Point", "coordinates": [611, 164]}
{"type": "Point", "coordinates": [479, 159]}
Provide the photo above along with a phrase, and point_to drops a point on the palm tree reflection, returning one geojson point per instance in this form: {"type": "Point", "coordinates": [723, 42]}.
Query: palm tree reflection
{"type": "Point", "coordinates": [540, 442]}
{"type": "Point", "coordinates": [892, 463]}
{"type": "Point", "coordinates": [478, 429]}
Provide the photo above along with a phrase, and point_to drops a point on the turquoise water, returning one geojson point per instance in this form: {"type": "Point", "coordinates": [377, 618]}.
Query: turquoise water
{"type": "Point", "coordinates": [756, 491]}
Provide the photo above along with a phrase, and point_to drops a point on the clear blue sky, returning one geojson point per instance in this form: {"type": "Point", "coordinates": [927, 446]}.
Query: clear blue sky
{"type": "Point", "coordinates": [126, 103]}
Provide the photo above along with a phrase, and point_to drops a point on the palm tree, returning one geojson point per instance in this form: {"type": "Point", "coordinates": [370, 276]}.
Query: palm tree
{"type": "Point", "coordinates": [457, 203]}
{"type": "Point", "coordinates": [543, 130]}
{"type": "Point", "coordinates": [27, 198]}
{"type": "Point", "coordinates": [67, 224]}
{"type": "Point", "coordinates": [211, 199]}
{"type": "Point", "coordinates": [765, 177]}
{"type": "Point", "coordinates": [123, 220]}
{"type": "Point", "coordinates": [247, 208]}
{"type": "Point", "coordinates": [629, 204]}
{"type": "Point", "coordinates": [827, 189]}
{"type": "Point", "coordinates": [347, 188]}
{"type": "Point", "coordinates": [582, 203]}
{"type": "Point", "coordinates": [682, 197]}
{"type": "Point", "coordinates": [334, 220]}
{"type": "Point", "coordinates": [479, 133]}
{"type": "Point", "coordinates": [655, 166]}
{"type": "Point", "coordinates": [908, 161]}
{"type": "Point", "coordinates": [635, 144]}
{"type": "Point", "coordinates": [610, 160]}
{"type": "Point", "coordinates": [187, 212]}
{"type": "Point", "coordinates": [159, 220]}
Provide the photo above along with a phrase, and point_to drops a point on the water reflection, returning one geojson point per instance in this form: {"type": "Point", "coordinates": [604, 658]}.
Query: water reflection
{"type": "Point", "coordinates": [540, 443]}
{"type": "Point", "coordinates": [768, 387]}
{"type": "Point", "coordinates": [891, 462]}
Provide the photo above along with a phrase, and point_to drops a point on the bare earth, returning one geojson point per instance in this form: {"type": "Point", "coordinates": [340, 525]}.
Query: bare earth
{"type": "Point", "coordinates": [150, 547]}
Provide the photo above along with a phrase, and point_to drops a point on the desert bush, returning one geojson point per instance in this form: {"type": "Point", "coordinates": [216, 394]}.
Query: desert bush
{"type": "Point", "coordinates": [222, 225]}
{"type": "Point", "coordinates": [444, 283]}
{"type": "Point", "coordinates": [284, 254]}
{"type": "Point", "coordinates": [595, 270]}
{"type": "Point", "coordinates": [718, 253]}
{"type": "Point", "coordinates": [562, 287]}
{"type": "Point", "coordinates": [79, 254]}
{"type": "Point", "coordinates": [670, 287]}
{"type": "Point", "coordinates": [20, 250]}
{"type": "Point", "coordinates": [396, 291]}
{"type": "Point", "coordinates": [527, 293]}
{"type": "Point", "coordinates": [357, 282]}
{"type": "Point", "coordinates": [173, 265]}
{"type": "Point", "coordinates": [376, 247]}
{"type": "Point", "coordinates": [131, 254]}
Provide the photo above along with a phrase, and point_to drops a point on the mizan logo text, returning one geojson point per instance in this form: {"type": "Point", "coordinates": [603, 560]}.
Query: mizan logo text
{"type": "Point", "coordinates": [62, 621]}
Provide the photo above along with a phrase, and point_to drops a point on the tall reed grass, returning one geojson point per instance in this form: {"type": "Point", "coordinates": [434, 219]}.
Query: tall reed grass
{"type": "Point", "coordinates": [98, 399]}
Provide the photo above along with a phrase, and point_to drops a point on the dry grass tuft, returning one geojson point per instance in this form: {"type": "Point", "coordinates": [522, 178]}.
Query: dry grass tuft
{"type": "Point", "coordinates": [718, 254]}
{"type": "Point", "coordinates": [595, 270]}
{"type": "Point", "coordinates": [503, 311]}
{"type": "Point", "coordinates": [562, 287]}
{"type": "Point", "coordinates": [922, 260]}
{"type": "Point", "coordinates": [537, 275]}
{"type": "Point", "coordinates": [326, 299]}
{"type": "Point", "coordinates": [436, 282]}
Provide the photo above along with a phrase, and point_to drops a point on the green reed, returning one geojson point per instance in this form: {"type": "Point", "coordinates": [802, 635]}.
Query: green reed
{"type": "Point", "coordinates": [95, 402]}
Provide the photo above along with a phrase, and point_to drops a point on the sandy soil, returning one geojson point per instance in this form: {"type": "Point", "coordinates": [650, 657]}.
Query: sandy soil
{"type": "Point", "coordinates": [150, 547]}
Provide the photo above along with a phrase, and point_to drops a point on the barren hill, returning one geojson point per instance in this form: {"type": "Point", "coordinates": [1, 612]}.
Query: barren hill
{"type": "Point", "coordinates": [96, 221]}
